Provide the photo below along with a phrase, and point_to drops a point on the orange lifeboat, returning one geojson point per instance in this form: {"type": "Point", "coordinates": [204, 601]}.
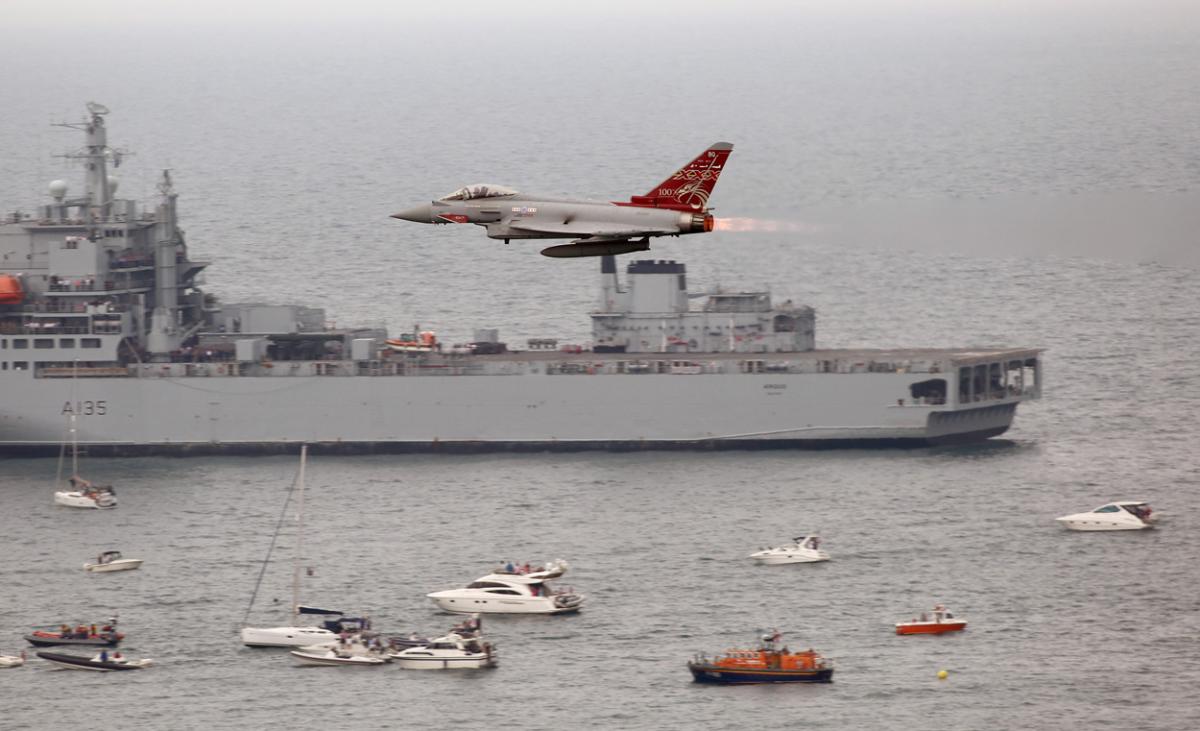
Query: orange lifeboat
{"type": "Point", "coordinates": [422, 342]}
{"type": "Point", "coordinates": [765, 664]}
{"type": "Point", "coordinates": [11, 292]}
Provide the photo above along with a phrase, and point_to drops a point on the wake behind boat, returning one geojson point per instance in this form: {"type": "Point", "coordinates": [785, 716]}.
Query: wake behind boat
{"type": "Point", "coordinates": [101, 662]}
{"type": "Point", "coordinates": [112, 561]}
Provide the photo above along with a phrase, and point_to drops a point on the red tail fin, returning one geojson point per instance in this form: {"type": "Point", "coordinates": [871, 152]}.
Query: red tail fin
{"type": "Point", "coordinates": [688, 189]}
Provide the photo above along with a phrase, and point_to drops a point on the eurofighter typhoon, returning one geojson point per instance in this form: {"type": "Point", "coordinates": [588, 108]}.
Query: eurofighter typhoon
{"type": "Point", "coordinates": [676, 206]}
{"type": "Point", "coordinates": [107, 339]}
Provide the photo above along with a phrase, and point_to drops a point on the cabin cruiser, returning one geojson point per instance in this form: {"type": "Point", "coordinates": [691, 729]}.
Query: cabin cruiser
{"type": "Point", "coordinates": [12, 661]}
{"type": "Point", "coordinates": [768, 663]}
{"type": "Point", "coordinates": [1121, 515]}
{"type": "Point", "coordinates": [348, 650]}
{"type": "Point", "coordinates": [104, 636]}
{"type": "Point", "coordinates": [939, 621]}
{"type": "Point", "coordinates": [512, 593]}
{"type": "Point", "coordinates": [802, 549]}
{"type": "Point", "coordinates": [462, 647]}
{"type": "Point", "coordinates": [83, 494]}
{"type": "Point", "coordinates": [102, 661]}
{"type": "Point", "coordinates": [112, 561]}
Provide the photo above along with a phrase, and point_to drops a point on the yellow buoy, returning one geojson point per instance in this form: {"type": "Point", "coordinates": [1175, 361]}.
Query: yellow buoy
{"type": "Point", "coordinates": [942, 675]}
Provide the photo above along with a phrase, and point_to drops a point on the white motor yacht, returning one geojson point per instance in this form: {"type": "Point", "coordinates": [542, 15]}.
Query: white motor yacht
{"type": "Point", "coordinates": [512, 593]}
{"type": "Point", "coordinates": [1120, 515]}
{"type": "Point", "coordinates": [461, 647]}
{"type": "Point", "coordinates": [802, 549]}
{"type": "Point", "coordinates": [112, 561]}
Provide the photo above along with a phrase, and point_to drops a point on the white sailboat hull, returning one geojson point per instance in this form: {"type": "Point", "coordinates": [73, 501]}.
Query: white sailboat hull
{"type": "Point", "coordinates": [76, 499]}
{"type": "Point", "coordinates": [286, 636]}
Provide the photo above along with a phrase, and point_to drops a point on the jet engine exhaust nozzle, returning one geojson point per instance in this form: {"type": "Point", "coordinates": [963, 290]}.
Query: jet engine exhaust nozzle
{"type": "Point", "coordinates": [693, 223]}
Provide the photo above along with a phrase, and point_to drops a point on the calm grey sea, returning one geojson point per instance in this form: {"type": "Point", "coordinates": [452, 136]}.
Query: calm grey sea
{"type": "Point", "coordinates": [945, 184]}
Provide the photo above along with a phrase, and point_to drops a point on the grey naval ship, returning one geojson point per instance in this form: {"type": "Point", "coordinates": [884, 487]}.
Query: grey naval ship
{"type": "Point", "coordinates": [102, 323]}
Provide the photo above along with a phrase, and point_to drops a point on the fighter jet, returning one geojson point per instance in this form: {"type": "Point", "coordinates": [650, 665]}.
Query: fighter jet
{"type": "Point", "coordinates": [676, 206]}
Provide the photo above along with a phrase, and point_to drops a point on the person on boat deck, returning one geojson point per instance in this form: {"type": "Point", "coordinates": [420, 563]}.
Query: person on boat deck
{"type": "Point", "coordinates": [104, 656]}
{"type": "Point", "coordinates": [525, 569]}
{"type": "Point", "coordinates": [509, 568]}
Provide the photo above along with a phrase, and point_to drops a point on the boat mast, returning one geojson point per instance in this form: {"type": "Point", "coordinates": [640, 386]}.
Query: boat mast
{"type": "Point", "coordinates": [74, 428]}
{"type": "Point", "coordinates": [299, 541]}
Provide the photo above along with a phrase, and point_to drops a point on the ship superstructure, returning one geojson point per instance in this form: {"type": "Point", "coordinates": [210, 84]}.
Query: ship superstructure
{"type": "Point", "coordinates": [101, 317]}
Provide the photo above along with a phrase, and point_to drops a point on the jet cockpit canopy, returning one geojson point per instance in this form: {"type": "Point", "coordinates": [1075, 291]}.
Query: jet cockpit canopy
{"type": "Point", "coordinates": [478, 190]}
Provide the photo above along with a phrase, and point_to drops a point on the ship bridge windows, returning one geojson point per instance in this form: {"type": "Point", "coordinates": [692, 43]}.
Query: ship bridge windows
{"type": "Point", "coordinates": [43, 343]}
{"type": "Point", "coordinates": [477, 191]}
{"type": "Point", "coordinates": [785, 324]}
{"type": "Point", "coordinates": [89, 342]}
{"type": "Point", "coordinates": [20, 343]}
{"type": "Point", "coordinates": [998, 380]}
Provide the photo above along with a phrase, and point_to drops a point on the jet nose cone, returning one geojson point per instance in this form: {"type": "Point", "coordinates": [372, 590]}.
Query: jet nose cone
{"type": "Point", "coordinates": [417, 214]}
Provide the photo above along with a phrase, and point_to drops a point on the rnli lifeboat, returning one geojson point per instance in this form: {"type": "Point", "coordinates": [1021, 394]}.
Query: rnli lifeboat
{"type": "Point", "coordinates": [11, 292]}
{"type": "Point", "coordinates": [938, 622]}
{"type": "Point", "coordinates": [767, 664]}
{"type": "Point", "coordinates": [422, 342]}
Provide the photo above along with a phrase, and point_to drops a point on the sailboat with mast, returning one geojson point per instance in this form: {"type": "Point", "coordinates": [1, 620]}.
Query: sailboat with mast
{"type": "Point", "coordinates": [80, 493]}
{"type": "Point", "coordinates": [295, 634]}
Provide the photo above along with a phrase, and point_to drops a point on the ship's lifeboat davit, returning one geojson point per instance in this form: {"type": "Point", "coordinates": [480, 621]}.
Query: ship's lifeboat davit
{"type": "Point", "coordinates": [11, 292]}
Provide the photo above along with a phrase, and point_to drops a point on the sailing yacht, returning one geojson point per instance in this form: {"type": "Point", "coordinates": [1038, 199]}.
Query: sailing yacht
{"type": "Point", "coordinates": [80, 493]}
{"type": "Point", "coordinates": [295, 634]}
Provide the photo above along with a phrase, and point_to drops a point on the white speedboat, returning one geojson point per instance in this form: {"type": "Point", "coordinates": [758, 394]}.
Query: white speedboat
{"type": "Point", "coordinates": [802, 549]}
{"type": "Point", "coordinates": [341, 653]}
{"type": "Point", "coordinates": [102, 661]}
{"type": "Point", "coordinates": [12, 661]}
{"type": "Point", "coordinates": [1120, 515]}
{"type": "Point", "coordinates": [462, 647]}
{"type": "Point", "coordinates": [112, 561]}
{"type": "Point", "coordinates": [512, 593]}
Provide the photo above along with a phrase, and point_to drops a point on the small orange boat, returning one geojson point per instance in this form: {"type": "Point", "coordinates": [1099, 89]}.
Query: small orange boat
{"type": "Point", "coordinates": [938, 622]}
{"type": "Point", "coordinates": [422, 342]}
{"type": "Point", "coordinates": [767, 664]}
{"type": "Point", "coordinates": [11, 292]}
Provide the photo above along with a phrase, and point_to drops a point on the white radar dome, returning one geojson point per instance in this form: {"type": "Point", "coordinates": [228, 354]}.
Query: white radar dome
{"type": "Point", "coordinates": [112, 185]}
{"type": "Point", "coordinates": [58, 189]}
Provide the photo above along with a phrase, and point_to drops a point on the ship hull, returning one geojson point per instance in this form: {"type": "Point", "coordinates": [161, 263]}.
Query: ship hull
{"type": "Point", "coordinates": [200, 415]}
{"type": "Point", "coordinates": [744, 676]}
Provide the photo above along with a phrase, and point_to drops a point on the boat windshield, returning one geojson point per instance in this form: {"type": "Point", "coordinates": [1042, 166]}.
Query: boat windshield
{"type": "Point", "coordinates": [1107, 509]}
{"type": "Point", "coordinates": [478, 190]}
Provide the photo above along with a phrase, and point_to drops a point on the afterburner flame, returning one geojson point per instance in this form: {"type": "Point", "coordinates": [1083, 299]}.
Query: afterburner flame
{"type": "Point", "coordinates": [767, 225]}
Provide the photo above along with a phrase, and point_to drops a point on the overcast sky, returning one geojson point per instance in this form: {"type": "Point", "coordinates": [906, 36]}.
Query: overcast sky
{"type": "Point", "coordinates": [18, 13]}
